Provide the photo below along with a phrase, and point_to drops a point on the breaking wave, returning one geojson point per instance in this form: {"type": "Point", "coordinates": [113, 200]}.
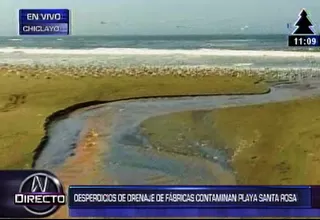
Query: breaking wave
{"type": "Point", "coordinates": [145, 51]}
{"type": "Point", "coordinates": [15, 39]}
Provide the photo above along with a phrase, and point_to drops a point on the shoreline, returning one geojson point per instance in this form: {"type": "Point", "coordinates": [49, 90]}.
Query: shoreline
{"type": "Point", "coordinates": [78, 71]}
{"type": "Point", "coordinates": [284, 52]}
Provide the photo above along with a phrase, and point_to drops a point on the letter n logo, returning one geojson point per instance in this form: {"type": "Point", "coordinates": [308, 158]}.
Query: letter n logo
{"type": "Point", "coordinates": [39, 184]}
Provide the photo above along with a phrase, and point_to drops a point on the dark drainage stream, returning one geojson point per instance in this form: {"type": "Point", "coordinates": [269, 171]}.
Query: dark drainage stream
{"type": "Point", "coordinates": [131, 159]}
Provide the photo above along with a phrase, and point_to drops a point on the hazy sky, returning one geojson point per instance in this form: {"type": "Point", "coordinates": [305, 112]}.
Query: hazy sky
{"type": "Point", "coordinates": [168, 16]}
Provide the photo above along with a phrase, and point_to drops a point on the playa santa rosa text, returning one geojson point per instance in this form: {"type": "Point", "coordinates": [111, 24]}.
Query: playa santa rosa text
{"type": "Point", "coordinates": [188, 198]}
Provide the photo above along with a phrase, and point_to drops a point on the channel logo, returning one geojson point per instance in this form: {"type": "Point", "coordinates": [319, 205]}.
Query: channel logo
{"type": "Point", "coordinates": [41, 194]}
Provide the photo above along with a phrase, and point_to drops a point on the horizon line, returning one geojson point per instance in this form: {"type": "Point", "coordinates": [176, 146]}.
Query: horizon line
{"type": "Point", "coordinates": [146, 35]}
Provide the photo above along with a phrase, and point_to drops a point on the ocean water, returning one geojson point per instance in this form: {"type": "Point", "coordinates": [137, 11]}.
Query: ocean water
{"type": "Point", "coordinates": [241, 51]}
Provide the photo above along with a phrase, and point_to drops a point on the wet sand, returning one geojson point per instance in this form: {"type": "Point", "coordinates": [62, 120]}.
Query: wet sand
{"type": "Point", "coordinates": [84, 167]}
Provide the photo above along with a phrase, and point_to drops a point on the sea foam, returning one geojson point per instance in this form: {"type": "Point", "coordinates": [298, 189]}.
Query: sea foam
{"type": "Point", "coordinates": [145, 51]}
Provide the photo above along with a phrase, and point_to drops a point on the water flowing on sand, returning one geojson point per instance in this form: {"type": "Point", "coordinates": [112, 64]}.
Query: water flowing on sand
{"type": "Point", "coordinates": [129, 159]}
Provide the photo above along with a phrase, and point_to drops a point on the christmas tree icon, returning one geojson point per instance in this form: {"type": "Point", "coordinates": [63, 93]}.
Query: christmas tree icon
{"type": "Point", "coordinates": [303, 24]}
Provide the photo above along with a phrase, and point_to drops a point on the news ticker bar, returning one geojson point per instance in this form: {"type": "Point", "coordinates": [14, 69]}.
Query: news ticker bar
{"type": "Point", "coordinates": [44, 22]}
{"type": "Point", "coordinates": [192, 212]}
{"type": "Point", "coordinates": [192, 201]}
{"type": "Point", "coordinates": [36, 193]}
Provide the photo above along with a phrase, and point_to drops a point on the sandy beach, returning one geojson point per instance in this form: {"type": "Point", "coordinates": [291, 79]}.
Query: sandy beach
{"type": "Point", "coordinates": [48, 71]}
{"type": "Point", "coordinates": [42, 90]}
